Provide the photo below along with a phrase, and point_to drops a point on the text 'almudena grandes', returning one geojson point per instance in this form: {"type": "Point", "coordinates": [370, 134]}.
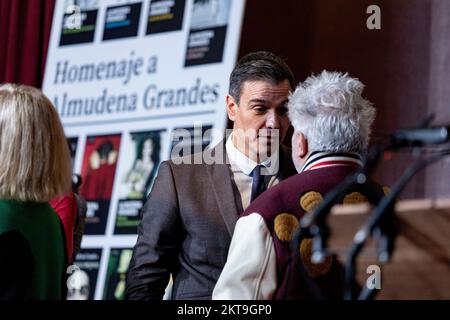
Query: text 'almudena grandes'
{"type": "Point", "coordinates": [153, 98]}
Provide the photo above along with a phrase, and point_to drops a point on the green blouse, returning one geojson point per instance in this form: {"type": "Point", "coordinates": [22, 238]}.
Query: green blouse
{"type": "Point", "coordinates": [39, 226]}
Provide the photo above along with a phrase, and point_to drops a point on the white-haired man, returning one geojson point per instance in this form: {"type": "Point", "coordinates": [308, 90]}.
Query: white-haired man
{"type": "Point", "coordinates": [332, 126]}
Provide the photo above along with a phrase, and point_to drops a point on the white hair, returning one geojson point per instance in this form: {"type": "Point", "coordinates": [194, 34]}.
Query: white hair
{"type": "Point", "coordinates": [330, 111]}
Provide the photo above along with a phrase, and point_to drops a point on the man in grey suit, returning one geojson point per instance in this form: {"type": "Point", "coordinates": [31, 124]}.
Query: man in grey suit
{"type": "Point", "coordinates": [190, 214]}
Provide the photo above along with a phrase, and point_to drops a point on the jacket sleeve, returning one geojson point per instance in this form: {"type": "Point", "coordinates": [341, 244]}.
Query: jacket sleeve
{"type": "Point", "coordinates": [250, 270]}
{"type": "Point", "coordinates": [155, 254]}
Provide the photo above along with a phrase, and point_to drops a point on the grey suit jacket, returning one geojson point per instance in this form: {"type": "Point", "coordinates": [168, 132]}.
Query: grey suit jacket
{"type": "Point", "coordinates": [186, 229]}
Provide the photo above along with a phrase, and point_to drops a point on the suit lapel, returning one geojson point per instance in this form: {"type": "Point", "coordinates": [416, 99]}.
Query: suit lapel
{"type": "Point", "coordinates": [222, 187]}
{"type": "Point", "coordinates": [224, 193]}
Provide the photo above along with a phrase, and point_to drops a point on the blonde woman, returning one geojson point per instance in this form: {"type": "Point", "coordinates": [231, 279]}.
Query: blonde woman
{"type": "Point", "coordinates": [34, 167]}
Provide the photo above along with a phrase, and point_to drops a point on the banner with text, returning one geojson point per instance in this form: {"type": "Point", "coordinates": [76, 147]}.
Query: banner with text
{"type": "Point", "coordinates": [124, 76]}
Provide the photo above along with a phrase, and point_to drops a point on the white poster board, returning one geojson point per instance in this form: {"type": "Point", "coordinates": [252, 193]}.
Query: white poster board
{"type": "Point", "coordinates": [123, 76]}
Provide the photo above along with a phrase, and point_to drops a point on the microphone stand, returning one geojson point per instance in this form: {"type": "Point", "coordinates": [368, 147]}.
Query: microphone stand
{"type": "Point", "coordinates": [381, 219]}
{"type": "Point", "coordinates": [314, 224]}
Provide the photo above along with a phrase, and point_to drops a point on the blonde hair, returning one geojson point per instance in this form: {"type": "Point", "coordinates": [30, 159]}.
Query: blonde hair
{"type": "Point", "coordinates": [35, 160]}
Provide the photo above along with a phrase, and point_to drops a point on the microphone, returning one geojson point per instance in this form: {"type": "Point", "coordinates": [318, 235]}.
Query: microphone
{"type": "Point", "coordinates": [421, 136]}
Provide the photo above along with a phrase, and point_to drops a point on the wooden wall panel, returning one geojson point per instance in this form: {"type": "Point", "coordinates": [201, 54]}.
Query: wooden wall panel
{"type": "Point", "coordinates": [405, 65]}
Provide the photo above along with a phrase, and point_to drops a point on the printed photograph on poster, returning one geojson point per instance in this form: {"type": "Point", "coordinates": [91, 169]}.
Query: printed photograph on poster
{"type": "Point", "coordinates": [97, 174]}
{"type": "Point", "coordinates": [189, 140]}
{"type": "Point", "coordinates": [142, 156]}
{"type": "Point", "coordinates": [165, 16]}
{"type": "Point", "coordinates": [83, 277]}
{"type": "Point", "coordinates": [208, 28]}
{"type": "Point", "coordinates": [122, 21]}
{"type": "Point", "coordinates": [119, 260]}
{"type": "Point", "coordinates": [79, 21]}
{"type": "Point", "coordinates": [73, 144]}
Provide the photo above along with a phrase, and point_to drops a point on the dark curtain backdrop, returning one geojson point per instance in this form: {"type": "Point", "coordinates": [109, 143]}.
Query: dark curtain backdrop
{"type": "Point", "coordinates": [405, 65]}
{"type": "Point", "coordinates": [25, 31]}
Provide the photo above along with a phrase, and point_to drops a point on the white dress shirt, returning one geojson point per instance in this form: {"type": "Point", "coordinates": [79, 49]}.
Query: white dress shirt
{"type": "Point", "coordinates": [242, 167]}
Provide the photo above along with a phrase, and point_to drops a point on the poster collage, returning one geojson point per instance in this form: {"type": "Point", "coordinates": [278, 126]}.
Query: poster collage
{"type": "Point", "coordinates": [208, 25]}
{"type": "Point", "coordinates": [118, 158]}
{"type": "Point", "coordinates": [141, 154]}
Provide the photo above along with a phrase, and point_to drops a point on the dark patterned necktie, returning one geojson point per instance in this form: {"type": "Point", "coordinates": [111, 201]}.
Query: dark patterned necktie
{"type": "Point", "coordinates": [258, 185]}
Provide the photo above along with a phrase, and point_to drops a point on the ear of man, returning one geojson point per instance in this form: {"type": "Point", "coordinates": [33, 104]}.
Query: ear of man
{"type": "Point", "coordinates": [301, 145]}
{"type": "Point", "coordinates": [231, 107]}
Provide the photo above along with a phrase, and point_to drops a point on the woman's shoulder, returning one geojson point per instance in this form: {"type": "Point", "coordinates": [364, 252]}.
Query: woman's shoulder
{"type": "Point", "coordinates": [29, 211]}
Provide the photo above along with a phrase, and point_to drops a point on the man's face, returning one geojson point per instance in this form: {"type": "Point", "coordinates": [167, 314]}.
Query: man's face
{"type": "Point", "coordinates": [260, 117]}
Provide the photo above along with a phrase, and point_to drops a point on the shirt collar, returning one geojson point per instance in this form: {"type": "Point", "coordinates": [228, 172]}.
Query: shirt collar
{"type": "Point", "coordinates": [245, 164]}
{"type": "Point", "coordinates": [319, 160]}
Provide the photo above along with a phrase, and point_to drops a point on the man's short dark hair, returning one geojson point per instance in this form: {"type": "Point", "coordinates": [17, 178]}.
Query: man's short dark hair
{"type": "Point", "coordinates": [260, 65]}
